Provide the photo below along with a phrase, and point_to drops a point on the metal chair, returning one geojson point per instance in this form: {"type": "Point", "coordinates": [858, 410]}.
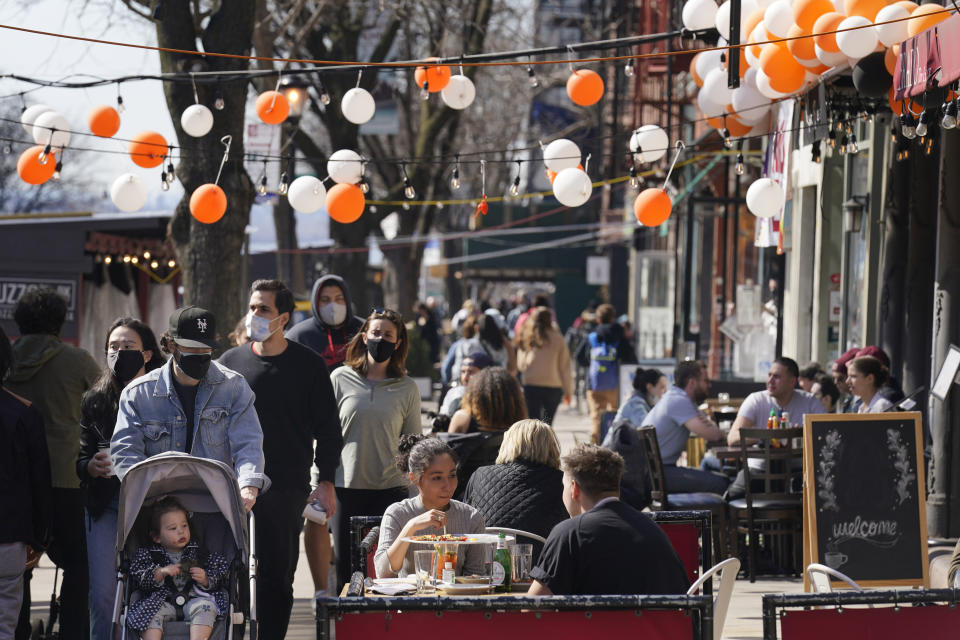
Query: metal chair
{"type": "Point", "coordinates": [771, 509]}
{"type": "Point", "coordinates": [663, 500]}
{"type": "Point", "coordinates": [728, 570]}
{"type": "Point", "coordinates": [820, 575]}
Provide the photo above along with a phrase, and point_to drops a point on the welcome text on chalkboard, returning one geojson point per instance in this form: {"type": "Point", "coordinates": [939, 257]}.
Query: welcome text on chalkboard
{"type": "Point", "coordinates": [865, 497]}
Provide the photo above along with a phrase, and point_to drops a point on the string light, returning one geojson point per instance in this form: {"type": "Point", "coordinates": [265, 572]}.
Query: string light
{"type": "Point", "coordinates": [949, 120]}
{"type": "Point", "coordinates": [843, 144]}
{"type": "Point", "coordinates": [815, 151]}
{"type": "Point", "coordinates": [164, 185]}
{"type": "Point", "coordinates": [515, 188]}
{"type": "Point", "coordinates": [832, 139]}
{"type": "Point", "coordinates": [924, 124]}
{"type": "Point", "coordinates": [107, 259]}
{"type": "Point", "coordinates": [854, 147]}
{"type": "Point", "coordinates": [57, 169]}
{"type": "Point", "coordinates": [134, 259]}
{"type": "Point", "coordinates": [262, 180]}
{"type": "Point", "coordinates": [170, 169]}
{"type": "Point", "coordinates": [146, 255]}
{"type": "Point", "coordinates": [727, 140]}
{"type": "Point", "coordinates": [628, 70]}
{"type": "Point", "coordinates": [634, 180]}
{"type": "Point", "coordinates": [284, 184]}
{"type": "Point", "coordinates": [455, 176]}
{"type": "Point", "coordinates": [908, 126]}
{"type": "Point", "coordinates": [408, 189]}
{"type": "Point", "coordinates": [739, 167]}
{"type": "Point", "coordinates": [120, 107]}
{"type": "Point", "coordinates": [324, 96]}
{"type": "Point", "coordinates": [364, 184]}
{"type": "Point", "coordinates": [218, 102]}
{"type": "Point", "coordinates": [424, 91]}
{"type": "Point", "coordinates": [171, 263]}
{"type": "Point", "coordinates": [532, 78]}
{"type": "Point", "coordinates": [405, 206]}
{"type": "Point", "coordinates": [154, 264]}
{"type": "Point", "coordinates": [42, 158]}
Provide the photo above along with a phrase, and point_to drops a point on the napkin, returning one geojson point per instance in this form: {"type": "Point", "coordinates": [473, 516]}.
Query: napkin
{"type": "Point", "coordinates": [393, 588]}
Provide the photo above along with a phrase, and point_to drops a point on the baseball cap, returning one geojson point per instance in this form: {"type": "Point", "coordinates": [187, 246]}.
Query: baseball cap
{"type": "Point", "coordinates": [193, 327]}
{"type": "Point", "coordinates": [481, 359]}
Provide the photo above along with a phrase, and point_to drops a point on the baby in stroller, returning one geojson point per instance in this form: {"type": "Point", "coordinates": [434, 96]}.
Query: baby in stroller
{"type": "Point", "coordinates": [176, 573]}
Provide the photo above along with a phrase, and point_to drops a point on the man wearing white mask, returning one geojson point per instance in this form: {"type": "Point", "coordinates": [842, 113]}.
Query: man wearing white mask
{"type": "Point", "coordinates": [328, 332]}
{"type": "Point", "coordinates": [296, 406]}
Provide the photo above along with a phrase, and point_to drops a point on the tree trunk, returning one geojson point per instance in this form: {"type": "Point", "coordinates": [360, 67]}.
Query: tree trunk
{"type": "Point", "coordinates": [210, 255]}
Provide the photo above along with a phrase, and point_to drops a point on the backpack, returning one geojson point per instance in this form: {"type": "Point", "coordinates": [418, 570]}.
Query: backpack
{"type": "Point", "coordinates": [635, 485]}
{"type": "Point", "coordinates": [604, 370]}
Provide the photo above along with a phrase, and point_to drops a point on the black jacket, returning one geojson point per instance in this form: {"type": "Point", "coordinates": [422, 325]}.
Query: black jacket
{"type": "Point", "coordinates": [24, 473]}
{"type": "Point", "coordinates": [98, 417]}
{"type": "Point", "coordinates": [519, 495]}
{"type": "Point", "coordinates": [328, 341]}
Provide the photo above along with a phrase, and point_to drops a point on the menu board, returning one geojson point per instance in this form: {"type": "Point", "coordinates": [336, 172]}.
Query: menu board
{"type": "Point", "coordinates": [864, 497]}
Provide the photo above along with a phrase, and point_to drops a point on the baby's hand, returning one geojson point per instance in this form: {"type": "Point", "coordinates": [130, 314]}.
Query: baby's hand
{"type": "Point", "coordinates": [200, 577]}
{"type": "Point", "coordinates": [169, 570]}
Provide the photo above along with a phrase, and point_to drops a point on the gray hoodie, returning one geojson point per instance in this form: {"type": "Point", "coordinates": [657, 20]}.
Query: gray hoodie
{"type": "Point", "coordinates": [329, 342]}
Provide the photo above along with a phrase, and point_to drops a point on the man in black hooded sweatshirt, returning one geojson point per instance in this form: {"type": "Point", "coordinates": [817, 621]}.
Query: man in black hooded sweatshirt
{"type": "Point", "coordinates": [328, 333]}
{"type": "Point", "coordinates": [601, 352]}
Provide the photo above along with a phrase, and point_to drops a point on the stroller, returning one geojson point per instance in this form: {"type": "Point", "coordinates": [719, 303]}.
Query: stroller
{"type": "Point", "coordinates": [208, 489]}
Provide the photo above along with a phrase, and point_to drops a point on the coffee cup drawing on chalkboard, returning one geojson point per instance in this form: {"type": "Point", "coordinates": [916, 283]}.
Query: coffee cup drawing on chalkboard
{"type": "Point", "coordinates": [835, 559]}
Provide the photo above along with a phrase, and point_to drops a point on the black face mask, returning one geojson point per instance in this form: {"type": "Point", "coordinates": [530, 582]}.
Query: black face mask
{"type": "Point", "coordinates": [379, 349]}
{"type": "Point", "coordinates": [195, 365]}
{"type": "Point", "coordinates": [125, 364]}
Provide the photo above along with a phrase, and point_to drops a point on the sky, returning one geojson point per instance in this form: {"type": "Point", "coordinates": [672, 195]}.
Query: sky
{"type": "Point", "coordinates": [51, 58]}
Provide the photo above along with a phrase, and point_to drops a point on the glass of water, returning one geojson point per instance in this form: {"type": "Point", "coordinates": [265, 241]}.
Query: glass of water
{"type": "Point", "coordinates": [425, 565]}
{"type": "Point", "coordinates": [521, 562]}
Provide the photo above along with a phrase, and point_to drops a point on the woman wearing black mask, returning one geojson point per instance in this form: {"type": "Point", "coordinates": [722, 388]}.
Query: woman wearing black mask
{"type": "Point", "coordinates": [131, 351]}
{"type": "Point", "coordinates": [378, 403]}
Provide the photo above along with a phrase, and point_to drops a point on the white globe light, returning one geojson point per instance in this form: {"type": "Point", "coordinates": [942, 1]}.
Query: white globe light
{"type": "Point", "coordinates": [707, 62]}
{"type": "Point", "coordinates": [358, 106]}
{"type": "Point", "coordinates": [561, 154]}
{"type": "Point", "coordinates": [30, 115]}
{"type": "Point", "coordinates": [699, 15]}
{"type": "Point", "coordinates": [856, 44]}
{"type": "Point", "coordinates": [763, 86]}
{"type": "Point", "coordinates": [829, 58]}
{"type": "Point", "coordinates": [765, 198]}
{"type": "Point", "coordinates": [778, 18]}
{"type": "Point", "coordinates": [459, 93]}
{"type": "Point", "coordinates": [572, 187]}
{"type": "Point", "coordinates": [128, 193]}
{"type": "Point", "coordinates": [891, 34]}
{"type": "Point", "coordinates": [650, 141]}
{"type": "Point", "coordinates": [344, 166]}
{"type": "Point", "coordinates": [715, 86]}
{"type": "Point", "coordinates": [709, 108]}
{"type": "Point", "coordinates": [306, 194]}
{"type": "Point", "coordinates": [196, 120]}
{"type": "Point", "coordinates": [52, 128]}
{"type": "Point", "coordinates": [721, 20]}
{"type": "Point", "coordinates": [749, 105]}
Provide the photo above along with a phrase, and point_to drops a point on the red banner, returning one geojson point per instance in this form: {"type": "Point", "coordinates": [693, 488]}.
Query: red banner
{"type": "Point", "coordinates": [879, 623]}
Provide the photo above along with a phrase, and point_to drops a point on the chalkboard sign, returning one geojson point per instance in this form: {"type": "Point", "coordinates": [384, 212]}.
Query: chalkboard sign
{"type": "Point", "coordinates": [864, 497]}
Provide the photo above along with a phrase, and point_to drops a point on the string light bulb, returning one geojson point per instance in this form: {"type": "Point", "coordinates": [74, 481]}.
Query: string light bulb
{"type": "Point", "coordinates": [171, 263]}
{"type": "Point", "coordinates": [107, 259]}
{"type": "Point", "coordinates": [949, 120]}
{"type": "Point", "coordinates": [425, 91]}
{"type": "Point", "coordinates": [364, 185]}
{"type": "Point", "coordinates": [843, 144]}
{"type": "Point", "coordinates": [634, 180]}
{"type": "Point", "coordinates": [815, 152]}
{"type": "Point", "coordinates": [262, 189]}
{"type": "Point", "coordinates": [727, 140]}
{"type": "Point", "coordinates": [408, 189]}
{"type": "Point", "coordinates": [42, 158]}
{"type": "Point", "coordinates": [515, 187]}
{"type": "Point", "coordinates": [284, 184]}
{"type": "Point", "coordinates": [218, 102]}
{"type": "Point", "coordinates": [628, 70]}
{"type": "Point", "coordinates": [170, 170]}
{"type": "Point", "coordinates": [739, 167]}
{"type": "Point", "coordinates": [532, 78]}
{"type": "Point", "coordinates": [908, 126]}
{"type": "Point", "coordinates": [164, 185]}
{"type": "Point", "coordinates": [134, 259]}
{"type": "Point", "coordinates": [120, 107]}
{"type": "Point", "coordinates": [455, 176]}
{"type": "Point", "coordinates": [832, 139]}
{"type": "Point", "coordinates": [853, 147]}
{"type": "Point", "coordinates": [924, 123]}
{"type": "Point", "coordinates": [154, 264]}
{"type": "Point", "coordinates": [146, 255]}
{"type": "Point", "coordinates": [324, 94]}
{"type": "Point", "coordinates": [57, 169]}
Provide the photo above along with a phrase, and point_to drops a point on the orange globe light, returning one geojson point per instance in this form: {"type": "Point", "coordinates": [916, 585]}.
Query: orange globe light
{"type": "Point", "coordinates": [585, 87]}
{"type": "Point", "coordinates": [693, 71]}
{"type": "Point", "coordinates": [652, 207]}
{"type": "Point", "coordinates": [802, 49]}
{"type": "Point", "coordinates": [29, 168]}
{"type": "Point", "coordinates": [437, 78]}
{"type": "Point", "coordinates": [827, 22]}
{"type": "Point", "coordinates": [272, 107]}
{"type": "Point", "coordinates": [866, 8]}
{"type": "Point", "coordinates": [890, 59]}
{"type": "Point", "coordinates": [924, 17]}
{"type": "Point", "coordinates": [147, 149]}
{"type": "Point", "coordinates": [806, 12]}
{"type": "Point", "coordinates": [786, 74]}
{"type": "Point", "coordinates": [104, 121]}
{"type": "Point", "coordinates": [208, 203]}
{"type": "Point", "coordinates": [345, 203]}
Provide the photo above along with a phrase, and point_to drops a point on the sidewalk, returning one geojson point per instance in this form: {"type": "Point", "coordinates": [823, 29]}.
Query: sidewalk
{"type": "Point", "coordinates": [572, 426]}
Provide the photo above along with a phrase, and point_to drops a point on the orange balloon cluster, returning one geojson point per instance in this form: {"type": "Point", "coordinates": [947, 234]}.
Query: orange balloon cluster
{"type": "Point", "coordinates": [866, 8]}
{"type": "Point", "coordinates": [208, 203]}
{"type": "Point", "coordinates": [31, 170]}
{"type": "Point", "coordinates": [806, 12]}
{"type": "Point", "coordinates": [924, 17]}
{"type": "Point", "coordinates": [585, 87]}
{"type": "Point", "coordinates": [104, 121]}
{"type": "Point", "coordinates": [652, 207]}
{"type": "Point", "coordinates": [829, 21]}
{"type": "Point", "coordinates": [345, 203]}
{"type": "Point", "coordinates": [147, 149]}
{"type": "Point", "coordinates": [437, 77]}
{"type": "Point", "coordinates": [786, 74]}
{"type": "Point", "coordinates": [272, 107]}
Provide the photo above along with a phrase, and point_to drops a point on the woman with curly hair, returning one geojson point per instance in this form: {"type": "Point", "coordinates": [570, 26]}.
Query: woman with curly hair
{"type": "Point", "coordinates": [492, 403]}
{"type": "Point", "coordinates": [544, 360]}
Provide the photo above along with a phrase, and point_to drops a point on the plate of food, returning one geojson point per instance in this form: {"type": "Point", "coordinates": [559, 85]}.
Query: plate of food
{"type": "Point", "coordinates": [464, 589]}
{"type": "Point", "coordinates": [474, 579]}
{"type": "Point", "coordinates": [456, 538]}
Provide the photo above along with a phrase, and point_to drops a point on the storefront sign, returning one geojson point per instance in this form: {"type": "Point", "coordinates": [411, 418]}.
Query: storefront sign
{"type": "Point", "coordinates": [598, 270]}
{"type": "Point", "coordinates": [948, 40]}
{"type": "Point", "coordinates": [12, 289]}
{"type": "Point", "coordinates": [919, 64]}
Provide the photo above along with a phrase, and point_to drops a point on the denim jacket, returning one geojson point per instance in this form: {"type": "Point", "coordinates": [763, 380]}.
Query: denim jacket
{"type": "Point", "coordinates": [150, 420]}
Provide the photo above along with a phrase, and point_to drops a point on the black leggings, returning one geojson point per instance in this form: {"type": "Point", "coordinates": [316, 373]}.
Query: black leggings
{"type": "Point", "coordinates": [357, 502]}
{"type": "Point", "coordinates": [542, 402]}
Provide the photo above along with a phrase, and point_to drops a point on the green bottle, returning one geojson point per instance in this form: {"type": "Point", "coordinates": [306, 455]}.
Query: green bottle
{"type": "Point", "coordinates": [501, 565]}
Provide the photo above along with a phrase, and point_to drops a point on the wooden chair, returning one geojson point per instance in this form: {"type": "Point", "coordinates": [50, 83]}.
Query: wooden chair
{"type": "Point", "coordinates": [772, 506]}
{"type": "Point", "coordinates": [663, 500]}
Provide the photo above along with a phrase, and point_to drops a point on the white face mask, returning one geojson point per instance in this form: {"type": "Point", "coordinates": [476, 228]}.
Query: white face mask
{"type": "Point", "coordinates": [258, 328]}
{"type": "Point", "coordinates": [333, 314]}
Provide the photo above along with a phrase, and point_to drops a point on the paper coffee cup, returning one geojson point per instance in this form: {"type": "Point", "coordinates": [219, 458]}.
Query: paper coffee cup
{"type": "Point", "coordinates": [106, 449]}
